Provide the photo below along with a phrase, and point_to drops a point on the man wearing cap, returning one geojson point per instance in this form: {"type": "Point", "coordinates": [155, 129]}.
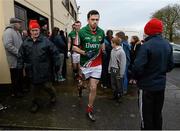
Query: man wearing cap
{"type": "Point", "coordinates": [153, 61]}
{"type": "Point", "coordinates": [12, 41]}
{"type": "Point", "coordinates": [37, 55]}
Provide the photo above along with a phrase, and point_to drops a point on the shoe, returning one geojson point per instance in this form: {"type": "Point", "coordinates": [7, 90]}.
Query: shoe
{"type": "Point", "coordinates": [2, 107]}
{"type": "Point", "coordinates": [105, 87]}
{"type": "Point", "coordinates": [34, 108]}
{"type": "Point", "coordinates": [90, 114]}
{"type": "Point", "coordinates": [60, 79]}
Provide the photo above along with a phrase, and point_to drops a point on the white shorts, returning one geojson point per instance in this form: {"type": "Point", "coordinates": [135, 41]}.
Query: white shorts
{"type": "Point", "coordinates": [75, 58]}
{"type": "Point", "coordinates": [92, 72]}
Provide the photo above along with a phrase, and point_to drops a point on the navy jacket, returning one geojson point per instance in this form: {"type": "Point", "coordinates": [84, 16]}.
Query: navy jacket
{"type": "Point", "coordinates": [58, 41]}
{"type": "Point", "coordinates": [37, 59]}
{"type": "Point", "coordinates": [153, 61]}
{"type": "Point", "coordinates": [127, 49]}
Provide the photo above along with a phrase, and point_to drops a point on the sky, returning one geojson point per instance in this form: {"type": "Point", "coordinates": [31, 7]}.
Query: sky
{"type": "Point", "coordinates": [115, 14]}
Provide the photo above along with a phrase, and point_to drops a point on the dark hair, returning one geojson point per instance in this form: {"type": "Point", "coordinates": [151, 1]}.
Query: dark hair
{"type": "Point", "coordinates": [121, 35]}
{"type": "Point", "coordinates": [77, 22]}
{"type": "Point", "coordinates": [61, 32]}
{"type": "Point", "coordinates": [92, 12]}
{"type": "Point", "coordinates": [109, 31]}
{"type": "Point", "coordinates": [55, 31]}
{"type": "Point", "coordinates": [136, 39]}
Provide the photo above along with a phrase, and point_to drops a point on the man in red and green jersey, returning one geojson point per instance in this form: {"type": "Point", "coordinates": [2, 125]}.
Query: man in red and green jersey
{"type": "Point", "coordinates": [73, 40]}
{"type": "Point", "coordinates": [91, 48]}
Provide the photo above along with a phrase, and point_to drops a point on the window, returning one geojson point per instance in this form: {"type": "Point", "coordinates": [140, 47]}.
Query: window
{"type": "Point", "coordinates": [66, 4]}
{"type": "Point", "coordinates": [21, 14]}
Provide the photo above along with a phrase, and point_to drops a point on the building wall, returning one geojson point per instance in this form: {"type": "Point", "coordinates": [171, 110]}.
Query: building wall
{"type": "Point", "coordinates": [4, 69]}
{"type": "Point", "coordinates": [62, 19]}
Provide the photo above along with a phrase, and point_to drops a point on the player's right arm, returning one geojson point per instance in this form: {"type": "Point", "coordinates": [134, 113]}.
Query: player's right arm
{"type": "Point", "coordinates": [78, 50]}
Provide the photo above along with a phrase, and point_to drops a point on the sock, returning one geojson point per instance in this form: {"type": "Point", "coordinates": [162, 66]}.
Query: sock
{"type": "Point", "coordinates": [89, 109]}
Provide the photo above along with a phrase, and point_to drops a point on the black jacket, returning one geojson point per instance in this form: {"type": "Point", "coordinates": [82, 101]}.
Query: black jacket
{"type": "Point", "coordinates": [58, 41]}
{"type": "Point", "coordinates": [37, 58]}
{"type": "Point", "coordinates": [153, 61]}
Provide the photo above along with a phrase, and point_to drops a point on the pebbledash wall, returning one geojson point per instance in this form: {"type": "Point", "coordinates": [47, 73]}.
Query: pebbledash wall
{"type": "Point", "coordinates": [64, 14]}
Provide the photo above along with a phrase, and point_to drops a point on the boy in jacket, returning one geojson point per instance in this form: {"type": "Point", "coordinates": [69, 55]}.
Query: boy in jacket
{"type": "Point", "coordinates": [117, 66]}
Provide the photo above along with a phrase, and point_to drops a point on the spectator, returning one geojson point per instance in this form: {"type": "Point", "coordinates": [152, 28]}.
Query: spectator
{"type": "Point", "coordinates": [24, 35]}
{"type": "Point", "coordinates": [44, 29]}
{"type": "Point", "coordinates": [58, 41]}
{"type": "Point", "coordinates": [64, 38]}
{"type": "Point", "coordinates": [12, 41]}
{"type": "Point", "coordinates": [106, 58]}
{"type": "Point", "coordinates": [135, 45]}
{"type": "Point", "coordinates": [126, 48]}
{"type": "Point", "coordinates": [153, 61]}
{"type": "Point", "coordinates": [35, 55]}
{"type": "Point", "coordinates": [117, 66]}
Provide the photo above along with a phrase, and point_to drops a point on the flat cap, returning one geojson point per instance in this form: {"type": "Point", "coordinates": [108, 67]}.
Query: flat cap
{"type": "Point", "coordinates": [15, 20]}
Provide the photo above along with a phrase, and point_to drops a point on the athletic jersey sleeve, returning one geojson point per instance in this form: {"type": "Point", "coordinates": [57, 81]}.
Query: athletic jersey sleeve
{"type": "Point", "coordinates": [103, 35]}
{"type": "Point", "coordinates": [70, 34]}
{"type": "Point", "coordinates": [80, 39]}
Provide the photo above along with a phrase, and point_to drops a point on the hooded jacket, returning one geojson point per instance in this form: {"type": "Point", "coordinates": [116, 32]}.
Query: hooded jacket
{"type": "Point", "coordinates": [12, 41]}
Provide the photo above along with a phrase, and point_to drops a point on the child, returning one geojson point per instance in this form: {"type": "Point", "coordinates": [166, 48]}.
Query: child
{"type": "Point", "coordinates": [117, 67]}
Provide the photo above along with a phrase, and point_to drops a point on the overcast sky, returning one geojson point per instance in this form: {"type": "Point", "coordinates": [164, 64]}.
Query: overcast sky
{"type": "Point", "coordinates": [122, 13]}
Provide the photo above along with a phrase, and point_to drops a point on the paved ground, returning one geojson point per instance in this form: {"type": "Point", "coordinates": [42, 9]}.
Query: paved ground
{"type": "Point", "coordinates": [68, 114]}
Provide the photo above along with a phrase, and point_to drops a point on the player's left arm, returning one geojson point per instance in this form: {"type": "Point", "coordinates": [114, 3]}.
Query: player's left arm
{"type": "Point", "coordinates": [103, 47]}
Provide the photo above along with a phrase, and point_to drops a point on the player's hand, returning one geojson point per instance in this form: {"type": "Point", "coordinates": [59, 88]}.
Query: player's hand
{"type": "Point", "coordinates": [90, 54]}
{"type": "Point", "coordinates": [69, 54]}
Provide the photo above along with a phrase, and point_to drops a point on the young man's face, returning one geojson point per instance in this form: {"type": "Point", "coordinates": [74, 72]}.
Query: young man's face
{"type": "Point", "coordinates": [77, 26]}
{"type": "Point", "coordinates": [93, 21]}
{"type": "Point", "coordinates": [35, 32]}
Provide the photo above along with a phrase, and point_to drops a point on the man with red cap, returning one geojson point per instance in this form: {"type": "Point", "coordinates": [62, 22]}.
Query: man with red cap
{"type": "Point", "coordinates": [153, 61]}
{"type": "Point", "coordinates": [36, 55]}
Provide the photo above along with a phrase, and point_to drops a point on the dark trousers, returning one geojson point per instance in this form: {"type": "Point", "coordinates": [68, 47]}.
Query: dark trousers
{"type": "Point", "coordinates": [150, 105]}
{"type": "Point", "coordinates": [105, 76]}
{"type": "Point", "coordinates": [116, 82]}
{"type": "Point", "coordinates": [16, 78]}
{"type": "Point", "coordinates": [40, 89]}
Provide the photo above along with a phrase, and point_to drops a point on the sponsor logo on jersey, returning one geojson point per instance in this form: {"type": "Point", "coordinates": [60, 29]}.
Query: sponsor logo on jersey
{"type": "Point", "coordinates": [90, 45]}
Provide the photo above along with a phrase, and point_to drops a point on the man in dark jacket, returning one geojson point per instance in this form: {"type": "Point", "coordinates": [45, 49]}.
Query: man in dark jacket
{"type": "Point", "coordinates": [153, 61]}
{"type": "Point", "coordinates": [36, 55]}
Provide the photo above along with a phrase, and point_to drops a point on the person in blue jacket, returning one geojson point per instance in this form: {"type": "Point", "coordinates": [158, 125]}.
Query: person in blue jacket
{"type": "Point", "coordinates": [126, 47]}
{"type": "Point", "coordinates": [105, 76]}
{"type": "Point", "coordinates": [153, 61]}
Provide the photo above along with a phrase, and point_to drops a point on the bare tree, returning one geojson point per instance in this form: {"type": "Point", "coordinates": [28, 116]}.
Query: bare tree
{"type": "Point", "coordinates": [170, 15]}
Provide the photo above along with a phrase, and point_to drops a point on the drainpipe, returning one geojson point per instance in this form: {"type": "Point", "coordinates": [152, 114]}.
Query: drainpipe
{"type": "Point", "coordinates": [52, 14]}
